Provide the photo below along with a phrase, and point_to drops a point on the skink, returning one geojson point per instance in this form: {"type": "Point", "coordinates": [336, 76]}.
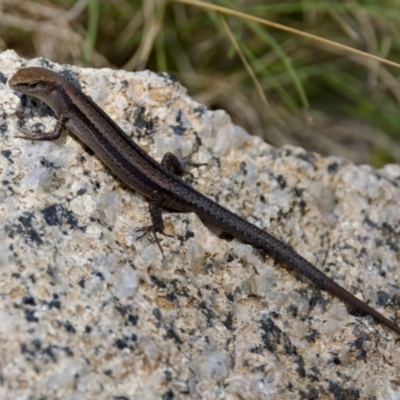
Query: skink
{"type": "Point", "coordinates": [159, 182]}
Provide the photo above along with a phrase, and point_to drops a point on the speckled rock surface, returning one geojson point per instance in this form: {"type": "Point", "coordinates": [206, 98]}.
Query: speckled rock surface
{"type": "Point", "coordinates": [89, 312]}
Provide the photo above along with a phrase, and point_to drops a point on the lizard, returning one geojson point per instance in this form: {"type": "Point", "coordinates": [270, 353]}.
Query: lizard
{"type": "Point", "coordinates": [160, 182]}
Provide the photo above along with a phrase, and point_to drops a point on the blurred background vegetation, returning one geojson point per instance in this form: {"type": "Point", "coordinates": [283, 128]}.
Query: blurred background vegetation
{"type": "Point", "coordinates": [279, 85]}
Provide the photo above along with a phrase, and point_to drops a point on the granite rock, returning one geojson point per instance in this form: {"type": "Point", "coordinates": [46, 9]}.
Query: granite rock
{"type": "Point", "coordinates": [87, 311]}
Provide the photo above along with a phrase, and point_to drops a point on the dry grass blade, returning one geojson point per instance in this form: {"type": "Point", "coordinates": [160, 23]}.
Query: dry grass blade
{"type": "Point", "coordinates": [51, 33]}
{"type": "Point", "coordinates": [234, 13]}
{"type": "Point", "coordinates": [245, 63]}
{"type": "Point", "coordinates": [150, 30]}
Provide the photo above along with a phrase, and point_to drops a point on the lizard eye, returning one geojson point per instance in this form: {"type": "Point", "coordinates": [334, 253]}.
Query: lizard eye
{"type": "Point", "coordinates": [32, 84]}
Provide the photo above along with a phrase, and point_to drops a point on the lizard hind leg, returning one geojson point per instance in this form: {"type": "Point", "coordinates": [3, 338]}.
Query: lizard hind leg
{"type": "Point", "coordinates": [157, 223]}
{"type": "Point", "coordinates": [177, 165]}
